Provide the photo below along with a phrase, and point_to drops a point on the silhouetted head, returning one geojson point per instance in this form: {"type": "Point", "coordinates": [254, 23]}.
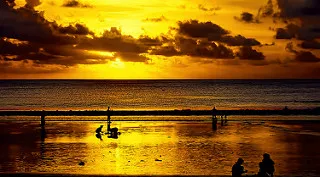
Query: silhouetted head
{"type": "Point", "coordinates": [240, 161]}
{"type": "Point", "coordinates": [266, 156]}
{"type": "Point", "coordinates": [101, 126]}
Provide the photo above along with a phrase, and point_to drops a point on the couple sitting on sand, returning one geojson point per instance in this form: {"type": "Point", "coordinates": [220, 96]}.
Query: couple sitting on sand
{"type": "Point", "coordinates": [266, 167]}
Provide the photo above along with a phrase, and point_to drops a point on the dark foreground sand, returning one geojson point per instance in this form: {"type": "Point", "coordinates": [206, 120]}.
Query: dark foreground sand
{"type": "Point", "coordinates": [78, 175]}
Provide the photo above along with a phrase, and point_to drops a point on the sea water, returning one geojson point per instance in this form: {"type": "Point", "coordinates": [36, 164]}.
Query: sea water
{"type": "Point", "coordinates": [157, 94]}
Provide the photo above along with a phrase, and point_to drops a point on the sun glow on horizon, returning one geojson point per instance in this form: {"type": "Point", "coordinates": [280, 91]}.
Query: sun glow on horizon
{"type": "Point", "coordinates": [118, 64]}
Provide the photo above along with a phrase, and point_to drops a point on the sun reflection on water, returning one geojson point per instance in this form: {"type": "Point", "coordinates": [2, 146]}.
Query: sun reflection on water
{"type": "Point", "coordinates": [154, 148]}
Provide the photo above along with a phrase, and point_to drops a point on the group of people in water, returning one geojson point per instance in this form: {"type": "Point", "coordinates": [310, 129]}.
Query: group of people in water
{"type": "Point", "coordinates": [112, 132]}
{"type": "Point", "coordinates": [266, 167]}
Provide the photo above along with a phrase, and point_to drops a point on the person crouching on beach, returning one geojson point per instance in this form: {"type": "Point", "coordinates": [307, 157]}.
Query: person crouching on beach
{"type": "Point", "coordinates": [238, 169]}
{"type": "Point", "coordinates": [99, 129]}
{"type": "Point", "coordinates": [98, 132]}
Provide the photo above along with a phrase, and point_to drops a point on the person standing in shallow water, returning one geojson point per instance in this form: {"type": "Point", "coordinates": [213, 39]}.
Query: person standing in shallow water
{"type": "Point", "coordinates": [266, 166]}
{"type": "Point", "coordinates": [238, 169]}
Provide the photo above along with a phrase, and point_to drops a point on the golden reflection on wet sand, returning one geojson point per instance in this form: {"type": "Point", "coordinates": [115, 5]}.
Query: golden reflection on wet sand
{"type": "Point", "coordinates": [165, 148]}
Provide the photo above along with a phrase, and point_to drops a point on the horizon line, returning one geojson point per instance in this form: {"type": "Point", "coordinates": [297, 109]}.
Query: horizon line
{"type": "Point", "coordinates": [4, 79]}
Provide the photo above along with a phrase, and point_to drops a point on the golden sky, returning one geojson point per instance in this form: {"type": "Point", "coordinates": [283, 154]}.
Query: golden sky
{"type": "Point", "coordinates": [159, 39]}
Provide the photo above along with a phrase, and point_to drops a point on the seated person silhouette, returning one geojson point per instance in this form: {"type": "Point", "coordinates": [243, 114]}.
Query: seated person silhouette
{"type": "Point", "coordinates": [266, 166]}
{"type": "Point", "coordinates": [238, 169]}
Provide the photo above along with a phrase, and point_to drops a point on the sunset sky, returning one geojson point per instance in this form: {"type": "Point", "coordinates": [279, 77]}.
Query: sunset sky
{"type": "Point", "coordinates": [159, 39]}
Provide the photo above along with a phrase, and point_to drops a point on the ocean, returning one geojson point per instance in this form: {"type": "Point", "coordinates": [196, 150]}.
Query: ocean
{"type": "Point", "coordinates": [158, 94]}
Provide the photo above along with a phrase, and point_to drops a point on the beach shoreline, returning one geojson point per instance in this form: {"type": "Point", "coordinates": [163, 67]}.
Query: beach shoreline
{"type": "Point", "coordinates": [184, 148]}
{"type": "Point", "coordinates": [184, 112]}
{"type": "Point", "coordinates": [102, 175]}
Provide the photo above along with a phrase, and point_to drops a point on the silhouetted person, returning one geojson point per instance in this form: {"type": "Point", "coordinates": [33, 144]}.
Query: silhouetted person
{"type": "Point", "coordinates": [43, 121]}
{"type": "Point", "coordinates": [238, 169]}
{"type": "Point", "coordinates": [214, 124]}
{"type": "Point", "coordinates": [98, 135]}
{"type": "Point", "coordinates": [266, 166]}
{"type": "Point", "coordinates": [214, 118]}
{"type": "Point", "coordinates": [99, 130]}
{"type": "Point", "coordinates": [214, 113]}
{"type": "Point", "coordinates": [114, 133]}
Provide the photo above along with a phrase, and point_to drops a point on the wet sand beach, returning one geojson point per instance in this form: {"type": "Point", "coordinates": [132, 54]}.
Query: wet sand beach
{"type": "Point", "coordinates": [158, 148]}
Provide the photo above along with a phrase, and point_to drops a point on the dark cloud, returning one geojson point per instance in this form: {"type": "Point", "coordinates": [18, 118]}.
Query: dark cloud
{"type": "Point", "coordinates": [289, 48]}
{"type": "Point", "coordinates": [204, 49]}
{"type": "Point", "coordinates": [310, 44]}
{"type": "Point", "coordinates": [302, 19]}
{"type": "Point", "coordinates": [247, 17]}
{"type": "Point", "coordinates": [205, 40]}
{"type": "Point", "coordinates": [75, 3]}
{"type": "Point", "coordinates": [203, 8]}
{"type": "Point", "coordinates": [196, 29]}
{"type": "Point", "coordinates": [9, 48]}
{"type": "Point", "coordinates": [77, 29]}
{"type": "Point", "coordinates": [284, 34]}
{"type": "Point", "coordinates": [131, 49]}
{"type": "Point", "coordinates": [160, 19]}
{"type": "Point", "coordinates": [248, 53]}
{"type": "Point", "coordinates": [167, 50]}
{"type": "Point", "coordinates": [27, 37]}
{"type": "Point", "coordinates": [146, 40]}
{"type": "Point", "coordinates": [306, 56]}
{"type": "Point", "coordinates": [191, 47]}
{"type": "Point", "coordinates": [213, 32]}
{"type": "Point", "coordinates": [239, 41]}
{"type": "Point", "coordinates": [7, 67]}
{"type": "Point", "coordinates": [48, 54]}
{"type": "Point", "coordinates": [26, 24]}
{"type": "Point", "coordinates": [298, 8]}
{"type": "Point", "coordinates": [298, 32]}
{"type": "Point", "coordinates": [302, 16]}
{"type": "Point", "coordinates": [266, 10]}
{"type": "Point", "coordinates": [6, 4]}
{"type": "Point", "coordinates": [302, 56]}
{"type": "Point", "coordinates": [113, 40]}
{"type": "Point", "coordinates": [32, 3]}
{"type": "Point", "coordinates": [133, 57]}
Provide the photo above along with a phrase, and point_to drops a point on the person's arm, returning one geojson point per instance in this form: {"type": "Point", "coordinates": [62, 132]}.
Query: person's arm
{"type": "Point", "coordinates": [242, 170]}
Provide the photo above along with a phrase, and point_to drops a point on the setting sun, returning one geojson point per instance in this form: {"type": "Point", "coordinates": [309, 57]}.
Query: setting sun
{"type": "Point", "coordinates": [118, 64]}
